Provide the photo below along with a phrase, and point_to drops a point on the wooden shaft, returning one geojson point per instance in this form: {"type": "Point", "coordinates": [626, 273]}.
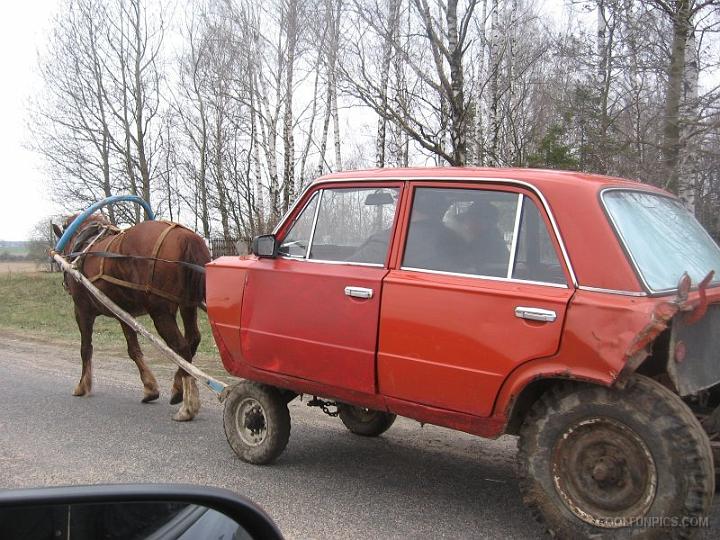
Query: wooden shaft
{"type": "Point", "coordinates": [214, 385]}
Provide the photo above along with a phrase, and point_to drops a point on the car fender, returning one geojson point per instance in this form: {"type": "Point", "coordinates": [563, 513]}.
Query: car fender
{"type": "Point", "coordinates": [602, 333]}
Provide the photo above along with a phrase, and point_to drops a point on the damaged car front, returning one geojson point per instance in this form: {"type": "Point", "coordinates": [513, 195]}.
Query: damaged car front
{"type": "Point", "coordinates": [678, 264]}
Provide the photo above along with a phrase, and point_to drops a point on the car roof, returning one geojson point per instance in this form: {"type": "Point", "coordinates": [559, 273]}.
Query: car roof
{"type": "Point", "coordinates": [572, 198]}
{"type": "Point", "coordinates": [539, 178]}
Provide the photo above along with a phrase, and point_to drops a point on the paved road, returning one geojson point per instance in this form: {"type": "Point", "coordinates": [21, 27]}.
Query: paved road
{"type": "Point", "coordinates": [413, 482]}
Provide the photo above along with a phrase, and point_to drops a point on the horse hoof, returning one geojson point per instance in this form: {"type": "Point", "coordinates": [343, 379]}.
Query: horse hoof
{"type": "Point", "coordinates": [176, 398]}
{"type": "Point", "coordinates": [79, 391]}
{"type": "Point", "coordinates": [152, 396]}
{"type": "Point", "coordinates": [183, 416]}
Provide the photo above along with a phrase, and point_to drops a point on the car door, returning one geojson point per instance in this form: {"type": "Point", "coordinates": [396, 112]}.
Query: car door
{"type": "Point", "coordinates": [479, 289]}
{"type": "Point", "coordinates": [313, 311]}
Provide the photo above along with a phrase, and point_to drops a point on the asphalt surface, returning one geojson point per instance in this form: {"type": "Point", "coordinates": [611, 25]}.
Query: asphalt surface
{"type": "Point", "coordinates": [412, 482]}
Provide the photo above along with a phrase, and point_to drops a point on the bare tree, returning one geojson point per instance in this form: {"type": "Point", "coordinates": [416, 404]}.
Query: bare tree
{"type": "Point", "coordinates": [290, 20]}
{"type": "Point", "coordinates": [192, 111]}
{"type": "Point", "coordinates": [258, 97]}
{"type": "Point", "coordinates": [445, 42]}
{"type": "Point", "coordinates": [134, 93]}
{"type": "Point", "coordinates": [71, 123]}
{"type": "Point", "coordinates": [393, 23]}
{"type": "Point", "coordinates": [681, 89]}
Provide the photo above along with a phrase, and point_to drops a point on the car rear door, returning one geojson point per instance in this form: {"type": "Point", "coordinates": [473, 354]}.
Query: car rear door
{"type": "Point", "coordinates": [460, 311]}
{"type": "Point", "coordinates": [313, 311]}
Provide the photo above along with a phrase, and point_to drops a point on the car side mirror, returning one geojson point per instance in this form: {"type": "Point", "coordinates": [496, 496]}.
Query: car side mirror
{"type": "Point", "coordinates": [264, 246]}
{"type": "Point", "coordinates": [141, 511]}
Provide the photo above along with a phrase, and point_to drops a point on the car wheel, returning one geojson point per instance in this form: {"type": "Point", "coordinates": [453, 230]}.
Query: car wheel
{"type": "Point", "coordinates": [616, 463]}
{"type": "Point", "coordinates": [366, 422]}
{"type": "Point", "coordinates": [257, 422]}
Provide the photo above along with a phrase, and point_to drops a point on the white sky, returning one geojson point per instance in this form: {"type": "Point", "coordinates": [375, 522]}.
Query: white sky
{"type": "Point", "coordinates": [23, 199]}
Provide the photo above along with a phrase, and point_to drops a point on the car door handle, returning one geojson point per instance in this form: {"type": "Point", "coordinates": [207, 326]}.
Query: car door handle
{"type": "Point", "coordinates": [535, 314]}
{"type": "Point", "coordinates": [358, 292]}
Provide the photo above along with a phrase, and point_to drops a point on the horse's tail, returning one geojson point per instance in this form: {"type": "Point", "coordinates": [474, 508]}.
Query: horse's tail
{"type": "Point", "coordinates": [196, 253]}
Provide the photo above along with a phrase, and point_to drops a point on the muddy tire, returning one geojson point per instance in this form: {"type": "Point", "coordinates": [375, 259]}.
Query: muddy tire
{"type": "Point", "coordinates": [616, 463]}
{"type": "Point", "coordinates": [257, 422]}
{"type": "Point", "coordinates": [365, 422]}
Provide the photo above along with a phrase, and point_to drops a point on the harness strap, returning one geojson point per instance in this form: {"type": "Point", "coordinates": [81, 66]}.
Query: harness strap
{"type": "Point", "coordinates": [156, 249]}
{"type": "Point", "coordinates": [144, 288]}
{"type": "Point", "coordinates": [101, 273]}
{"type": "Point", "coordinates": [148, 288]}
{"type": "Point", "coordinates": [112, 255]}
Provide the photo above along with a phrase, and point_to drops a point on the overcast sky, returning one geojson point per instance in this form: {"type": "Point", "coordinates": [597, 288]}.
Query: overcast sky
{"type": "Point", "coordinates": [24, 197]}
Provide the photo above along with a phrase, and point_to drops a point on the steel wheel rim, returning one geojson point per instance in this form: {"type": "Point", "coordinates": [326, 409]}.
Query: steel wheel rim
{"type": "Point", "coordinates": [604, 472]}
{"type": "Point", "coordinates": [251, 422]}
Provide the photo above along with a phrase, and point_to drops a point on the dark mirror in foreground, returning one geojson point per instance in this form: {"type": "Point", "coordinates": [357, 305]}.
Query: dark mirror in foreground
{"type": "Point", "coordinates": [132, 512]}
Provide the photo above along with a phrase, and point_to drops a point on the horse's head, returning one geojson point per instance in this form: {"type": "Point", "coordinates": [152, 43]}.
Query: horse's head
{"type": "Point", "coordinates": [94, 221]}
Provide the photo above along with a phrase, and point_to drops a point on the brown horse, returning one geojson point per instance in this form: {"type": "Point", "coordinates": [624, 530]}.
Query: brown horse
{"type": "Point", "coordinates": [138, 269]}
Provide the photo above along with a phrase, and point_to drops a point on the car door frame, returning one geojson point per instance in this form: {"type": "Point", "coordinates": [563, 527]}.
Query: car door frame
{"type": "Point", "coordinates": [397, 254]}
{"type": "Point", "coordinates": [518, 186]}
{"type": "Point", "coordinates": [326, 374]}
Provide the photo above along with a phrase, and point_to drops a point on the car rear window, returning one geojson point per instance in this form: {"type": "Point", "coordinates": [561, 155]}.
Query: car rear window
{"type": "Point", "coordinates": [663, 239]}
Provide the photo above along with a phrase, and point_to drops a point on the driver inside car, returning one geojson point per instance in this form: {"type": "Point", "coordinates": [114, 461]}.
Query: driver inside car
{"type": "Point", "coordinates": [487, 251]}
{"type": "Point", "coordinates": [431, 244]}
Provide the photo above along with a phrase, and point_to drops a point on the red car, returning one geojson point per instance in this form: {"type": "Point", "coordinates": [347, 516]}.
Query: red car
{"type": "Point", "coordinates": [579, 312]}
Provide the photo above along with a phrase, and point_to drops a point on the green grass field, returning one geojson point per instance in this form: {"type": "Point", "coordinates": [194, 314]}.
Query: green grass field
{"type": "Point", "coordinates": [36, 304]}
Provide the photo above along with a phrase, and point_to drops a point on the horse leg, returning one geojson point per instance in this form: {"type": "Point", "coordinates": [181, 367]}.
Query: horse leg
{"type": "Point", "coordinates": [150, 385]}
{"type": "Point", "coordinates": [167, 327]}
{"type": "Point", "coordinates": [191, 400]}
{"type": "Point", "coordinates": [192, 337]}
{"type": "Point", "coordinates": [190, 325]}
{"type": "Point", "coordinates": [85, 322]}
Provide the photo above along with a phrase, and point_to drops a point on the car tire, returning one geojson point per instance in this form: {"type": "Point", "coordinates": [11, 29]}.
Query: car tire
{"type": "Point", "coordinates": [257, 422]}
{"type": "Point", "coordinates": [629, 462]}
{"type": "Point", "coordinates": [365, 422]}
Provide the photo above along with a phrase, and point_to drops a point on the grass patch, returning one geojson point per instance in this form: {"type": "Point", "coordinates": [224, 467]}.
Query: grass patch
{"type": "Point", "coordinates": [37, 305]}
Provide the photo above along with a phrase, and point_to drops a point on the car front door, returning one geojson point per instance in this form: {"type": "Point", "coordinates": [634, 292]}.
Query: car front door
{"type": "Point", "coordinates": [313, 311]}
{"type": "Point", "coordinates": [479, 289]}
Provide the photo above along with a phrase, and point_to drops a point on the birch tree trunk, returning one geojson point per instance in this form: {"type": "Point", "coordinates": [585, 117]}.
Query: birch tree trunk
{"type": "Point", "coordinates": [458, 129]}
{"type": "Point", "coordinates": [494, 65]}
{"type": "Point", "coordinates": [687, 173]}
{"type": "Point", "coordinates": [313, 114]}
{"type": "Point", "coordinates": [336, 123]}
{"type": "Point", "coordinates": [392, 18]}
{"type": "Point", "coordinates": [329, 49]}
{"type": "Point", "coordinates": [671, 145]}
{"type": "Point", "coordinates": [288, 138]}
{"type": "Point", "coordinates": [479, 153]}
{"type": "Point", "coordinates": [255, 152]}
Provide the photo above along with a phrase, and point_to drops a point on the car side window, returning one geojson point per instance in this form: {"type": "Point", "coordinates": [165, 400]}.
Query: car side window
{"type": "Point", "coordinates": [465, 231]}
{"type": "Point", "coordinates": [536, 258]}
{"type": "Point", "coordinates": [354, 225]}
{"type": "Point", "coordinates": [297, 240]}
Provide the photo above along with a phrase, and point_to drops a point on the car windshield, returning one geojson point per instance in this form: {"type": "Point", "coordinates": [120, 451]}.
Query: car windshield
{"type": "Point", "coordinates": [662, 237]}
